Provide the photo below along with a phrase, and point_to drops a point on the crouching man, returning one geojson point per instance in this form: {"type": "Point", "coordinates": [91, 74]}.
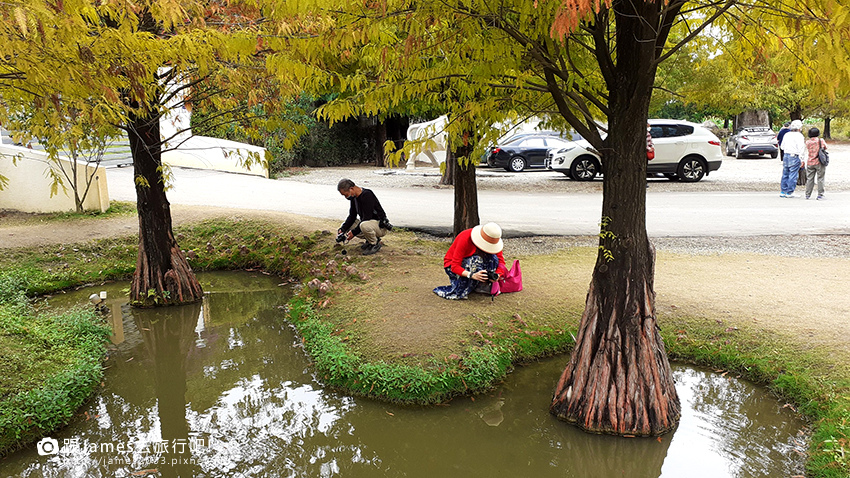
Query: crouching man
{"type": "Point", "coordinates": [372, 224]}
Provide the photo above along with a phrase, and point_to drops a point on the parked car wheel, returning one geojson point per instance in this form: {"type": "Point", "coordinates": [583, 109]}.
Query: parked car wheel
{"type": "Point", "coordinates": [691, 169]}
{"type": "Point", "coordinates": [516, 164]}
{"type": "Point", "coordinates": [584, 168]}
{"type": "Point", "coordinates": [774, 155]}
{"type": "Point", "coordinates": [729, 150]}
{"type": "Point", "coordinates": [738, 154]}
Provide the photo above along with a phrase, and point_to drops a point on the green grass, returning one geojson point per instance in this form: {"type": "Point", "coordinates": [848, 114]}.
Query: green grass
{"type": "Point", "coordinates": [116, 209]}
{"type": "Point", "coordinates": [49, 364]}
{"type": "Point", "coordinates": [799, 375]}
{"type": "Point", "coordinates": [796, 375]}
{"type": "Point", "coordinates": [477, 370]}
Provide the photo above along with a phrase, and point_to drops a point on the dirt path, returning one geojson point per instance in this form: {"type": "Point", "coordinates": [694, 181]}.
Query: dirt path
{"type": "Point", "coordinates": [26, 230]}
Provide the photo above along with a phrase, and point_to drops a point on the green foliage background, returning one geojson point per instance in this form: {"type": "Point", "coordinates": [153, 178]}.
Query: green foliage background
{"type": "Point", "coordinates": [347, 142]}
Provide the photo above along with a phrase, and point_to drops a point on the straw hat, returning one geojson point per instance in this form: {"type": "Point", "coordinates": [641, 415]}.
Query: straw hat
{"type": "Point", "coordinates": [488, 238]}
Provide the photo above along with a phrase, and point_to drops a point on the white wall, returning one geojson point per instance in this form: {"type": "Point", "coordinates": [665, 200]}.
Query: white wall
{"type": "Point", "coordinates": [28, 189]}
{"type": "Point", "coordinates": [203, 152]}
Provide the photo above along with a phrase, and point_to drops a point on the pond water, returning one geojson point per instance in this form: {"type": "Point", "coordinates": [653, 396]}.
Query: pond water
{"type": "Point", "coordinates": [222, 388]}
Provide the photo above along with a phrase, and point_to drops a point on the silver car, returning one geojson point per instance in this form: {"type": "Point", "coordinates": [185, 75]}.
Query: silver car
{"type": "Point", "coordinates": [752, 140]}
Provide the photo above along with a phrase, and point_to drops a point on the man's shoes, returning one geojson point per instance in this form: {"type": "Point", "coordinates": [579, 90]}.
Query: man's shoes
{"type": "Point", "coordinates": [366, 245]}
{"type": "Point", "coordinates": [792, 195]}
{"type": "Point", "coordinates": [821, 197]}
{"type": "Point", "coordinates": [783, 195]}
{"type": "Point", "coordinates": [373, 248]}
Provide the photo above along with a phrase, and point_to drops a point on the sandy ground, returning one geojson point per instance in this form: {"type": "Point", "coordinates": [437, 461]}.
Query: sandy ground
{"type": "Point", "coordinates": [801, 298]}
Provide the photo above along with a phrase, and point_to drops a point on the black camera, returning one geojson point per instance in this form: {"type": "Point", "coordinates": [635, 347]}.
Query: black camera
{"type": "Point", "coordinates": [492, 276]}
{"type": "Point", "coordinates": [341, 237]}
{"type": "Point", "coordinates": [385, 224]}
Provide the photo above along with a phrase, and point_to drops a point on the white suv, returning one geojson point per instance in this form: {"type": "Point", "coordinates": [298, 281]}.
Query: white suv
{"type": "Point", "coordinates": [683, 150]}
{"type": "Point", "coordinates": [578, 160]}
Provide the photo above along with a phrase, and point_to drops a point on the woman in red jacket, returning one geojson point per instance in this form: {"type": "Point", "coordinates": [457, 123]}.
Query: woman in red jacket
{"type": "Point", "coordinates": [473, 252]}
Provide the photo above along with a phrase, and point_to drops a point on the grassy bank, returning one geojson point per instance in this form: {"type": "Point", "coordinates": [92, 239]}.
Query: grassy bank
{"type": "Point", "coordinates": [49, 364]}
{"type": "Point", "coordinates": [374, 329]}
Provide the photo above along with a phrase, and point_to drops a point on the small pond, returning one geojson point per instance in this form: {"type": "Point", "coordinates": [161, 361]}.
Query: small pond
{"type": "Point", "coordinates": [222, 389]}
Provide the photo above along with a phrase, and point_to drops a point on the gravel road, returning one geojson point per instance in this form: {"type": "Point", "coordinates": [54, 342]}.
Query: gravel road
{"type": "Point", "coordinates": [756, 174]}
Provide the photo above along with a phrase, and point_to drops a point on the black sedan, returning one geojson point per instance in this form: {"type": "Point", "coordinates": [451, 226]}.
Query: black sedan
{"type": "Point", "coordinates": [528, 151]}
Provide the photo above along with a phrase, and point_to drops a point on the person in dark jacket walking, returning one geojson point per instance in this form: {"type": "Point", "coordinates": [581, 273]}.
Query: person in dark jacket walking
{"type": "Point", "coordinates": [785, 128]}
{"type": "Point", "coordinates": [372, 223]}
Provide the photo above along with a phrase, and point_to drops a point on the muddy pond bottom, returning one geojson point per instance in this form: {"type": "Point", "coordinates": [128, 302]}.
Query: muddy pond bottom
{"type": "Point", "coordinates": [223, 389]}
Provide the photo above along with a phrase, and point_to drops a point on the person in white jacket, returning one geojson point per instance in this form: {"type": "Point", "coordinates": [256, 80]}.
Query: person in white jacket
{"type": "Point", "coordinates": [793, 151]}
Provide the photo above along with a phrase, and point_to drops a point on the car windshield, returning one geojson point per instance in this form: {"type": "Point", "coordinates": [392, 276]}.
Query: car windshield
{"type": "Point", "coordinates": [553, 142]}
{"type": "Point", "coordinates": [538, 140]}
{"type": "Point", "coordinates": [531, 142]}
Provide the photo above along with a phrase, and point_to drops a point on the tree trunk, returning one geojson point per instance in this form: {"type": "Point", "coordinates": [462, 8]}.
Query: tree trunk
{"type": "Point", "coordinates": [618, 380]}
{"type": "Point", "coordinates": [466, 191]}
{"type": "Point", "coordinates": [163, 276]}
{"type": "Point", "coordinates": [827, 134]}
{"type": "Point", "coordinates": [380, 139]}
{"type": "Point", "coordinates": [797, 113]}
{"type": "Point", "coordinates": [752, 118]}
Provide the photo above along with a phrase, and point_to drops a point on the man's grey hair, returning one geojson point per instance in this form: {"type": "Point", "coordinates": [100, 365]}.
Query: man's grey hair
{"type": "Point", "coordinates": [345, 185]}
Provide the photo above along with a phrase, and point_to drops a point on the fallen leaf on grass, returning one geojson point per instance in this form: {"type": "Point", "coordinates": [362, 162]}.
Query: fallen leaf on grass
{"type": "Point", "coordinates": [145, 472]}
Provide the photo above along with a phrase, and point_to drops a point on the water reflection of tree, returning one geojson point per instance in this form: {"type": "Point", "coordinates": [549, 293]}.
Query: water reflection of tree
{"type": "Point", "coordinates": [169, 336]}
{"type": "Point", "coordinates": [744, 422]}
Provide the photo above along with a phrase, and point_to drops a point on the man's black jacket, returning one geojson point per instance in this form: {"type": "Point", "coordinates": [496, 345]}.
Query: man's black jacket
{"type": "Point", "coordinates": [367, 206]}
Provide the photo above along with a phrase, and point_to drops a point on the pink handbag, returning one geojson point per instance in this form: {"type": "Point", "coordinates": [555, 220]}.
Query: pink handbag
{"type": "Point", "coordinates": [512, 282]}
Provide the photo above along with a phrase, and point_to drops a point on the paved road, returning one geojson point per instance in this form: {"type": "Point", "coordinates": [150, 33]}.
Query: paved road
{"type": "Point", "coordinates": [669, 214]}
